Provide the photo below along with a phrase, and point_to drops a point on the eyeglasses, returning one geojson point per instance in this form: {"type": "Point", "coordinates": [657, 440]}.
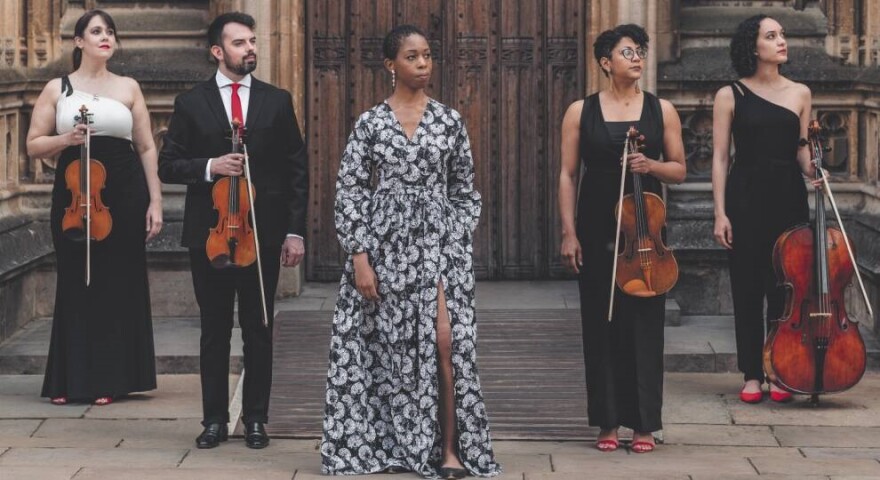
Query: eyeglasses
{"type": "Point", "coordinates": [628, 53]}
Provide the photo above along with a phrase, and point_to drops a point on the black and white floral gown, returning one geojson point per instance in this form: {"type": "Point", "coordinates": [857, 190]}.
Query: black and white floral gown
{"type": "Point", "coordinates": [416, 225]}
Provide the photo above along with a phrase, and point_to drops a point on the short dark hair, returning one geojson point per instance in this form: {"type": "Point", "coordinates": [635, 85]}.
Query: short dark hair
{"type": "Point", "coordinates": [215, 30]}
{"type": "Point", "coordinates": [391, 44]}
{"type": "Point", "coordinates": [607, 40]}
{"type": "Point", "coordinates": [79, 29]}
{"type": "Point", "coordinates": [744, 44]}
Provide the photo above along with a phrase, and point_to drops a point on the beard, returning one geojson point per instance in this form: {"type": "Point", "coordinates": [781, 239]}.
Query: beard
{"type": "Point", "coordinates": [245, 67]}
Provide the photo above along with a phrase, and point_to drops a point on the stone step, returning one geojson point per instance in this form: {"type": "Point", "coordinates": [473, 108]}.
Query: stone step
{"type": "Point", "coordinates": [698, 344]}
{"type": "Point", "coordinates": [176, 342]}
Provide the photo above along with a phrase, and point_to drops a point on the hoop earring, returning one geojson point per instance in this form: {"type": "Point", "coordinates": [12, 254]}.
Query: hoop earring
{"type": "Point", "coordinates": [393, 80]}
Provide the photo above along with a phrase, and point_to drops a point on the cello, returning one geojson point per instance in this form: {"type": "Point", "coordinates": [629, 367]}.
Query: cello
{"type": "Point", "coordinates": [815, 348]}
{"type": "Point", "coordinates": [87, 218]}
{"type": "Point", "coordinates": [645, 267]}
{"type": "Point", "coordinates": [234, 242]}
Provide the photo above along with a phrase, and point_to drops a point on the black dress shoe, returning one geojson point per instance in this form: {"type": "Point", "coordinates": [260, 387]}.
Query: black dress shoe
{"type": "Point", "coordinates": [255, 435]}
{"type": "Point", "coordinates": [448, 473]}
{"type": "Point", "coordinates": [212, 435]}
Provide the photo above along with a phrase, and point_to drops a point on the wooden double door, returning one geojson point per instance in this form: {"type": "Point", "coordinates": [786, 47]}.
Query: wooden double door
{"type": "Point", "coordinates": [510, 68]}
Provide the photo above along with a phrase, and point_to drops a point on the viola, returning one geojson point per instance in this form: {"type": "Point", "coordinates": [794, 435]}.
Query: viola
{"type": "Point", "coordinates": [815, 347]}
{"type": "Point", "coordinates": [644, 267]}
{"type": "Point", "coordinates": [231, 244]}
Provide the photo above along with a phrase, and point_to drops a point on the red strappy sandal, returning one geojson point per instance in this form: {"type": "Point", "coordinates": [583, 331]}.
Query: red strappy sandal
{"type": "Point", "coordinates": [102, 401]}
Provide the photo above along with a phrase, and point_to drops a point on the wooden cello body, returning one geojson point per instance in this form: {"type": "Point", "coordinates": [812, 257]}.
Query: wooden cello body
{"type": "Point", "coordinates": [815, 348]}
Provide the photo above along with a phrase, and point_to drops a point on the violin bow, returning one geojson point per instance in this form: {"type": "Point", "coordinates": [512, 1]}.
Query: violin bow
{"type": "Point", "coordinates": [87, 158]}
{"type": "Point", "coordinates": [250, 191]}
{"type": "Point", "coordinates": [619, 217]}
{"type": "Point", "coordinates": [817, 152]}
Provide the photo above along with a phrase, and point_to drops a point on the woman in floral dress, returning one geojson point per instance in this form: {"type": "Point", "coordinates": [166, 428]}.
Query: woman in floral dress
{"type": "Point", "coordinates": [403, 391]}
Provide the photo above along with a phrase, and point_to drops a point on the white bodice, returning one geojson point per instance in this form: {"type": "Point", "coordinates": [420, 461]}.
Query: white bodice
{"type": "Point", "coordinates": [110, 117]}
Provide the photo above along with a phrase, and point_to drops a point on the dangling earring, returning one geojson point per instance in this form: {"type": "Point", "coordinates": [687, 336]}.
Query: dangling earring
{"type": "Point", "coordinates": [393, 80]}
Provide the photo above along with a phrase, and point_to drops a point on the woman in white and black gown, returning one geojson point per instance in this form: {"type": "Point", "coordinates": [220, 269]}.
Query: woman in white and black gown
{"type": "Point", "coordinates": [102, 339]}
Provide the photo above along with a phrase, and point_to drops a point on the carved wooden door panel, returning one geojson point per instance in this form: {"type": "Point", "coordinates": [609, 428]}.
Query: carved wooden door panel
{"type": "Point", "coordinates": [510, 68]}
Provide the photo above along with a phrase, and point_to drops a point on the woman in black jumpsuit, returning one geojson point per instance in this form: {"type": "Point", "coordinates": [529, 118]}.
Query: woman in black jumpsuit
{"type": "Point", "coordinates": [623, 359]}
{"type": "Point", "coordinates": [763, 193]}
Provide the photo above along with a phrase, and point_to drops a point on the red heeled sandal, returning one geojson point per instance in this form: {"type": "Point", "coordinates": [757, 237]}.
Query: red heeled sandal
{"type": "Point", "coordinates": [102, 401]}
{"type": "Point", "coordinates": [607, 445]}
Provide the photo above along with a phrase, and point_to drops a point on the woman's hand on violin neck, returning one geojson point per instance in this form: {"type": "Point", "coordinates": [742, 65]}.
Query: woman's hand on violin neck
{"type": "Point", "coordinates": [365, 279]}
{"type": "Point", "coordinates": [572, 256]}
{"type": "Point", "coordinates": [154, 219]}
{"type": "Point", "coordinates": [639, 163]}
{"type": "Point", "coordinates": [723, 231]}
{"type": "Point", "coordinates": [230, 165]}
{"type": "Point", "coordinates": [817, 183]}
{"type": "Point", "coordinates": [77, 136]}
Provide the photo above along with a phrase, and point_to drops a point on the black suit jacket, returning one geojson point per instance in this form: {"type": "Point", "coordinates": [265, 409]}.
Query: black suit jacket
{"type": "Point", "coordinates": [199, 130]}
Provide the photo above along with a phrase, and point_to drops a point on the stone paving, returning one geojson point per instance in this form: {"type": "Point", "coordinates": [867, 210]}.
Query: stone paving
{"type": "Point", "coordinates": [708, 433]}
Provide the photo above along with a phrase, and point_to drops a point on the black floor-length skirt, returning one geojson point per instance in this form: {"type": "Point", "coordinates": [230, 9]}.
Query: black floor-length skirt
{"type": "Point", "coordinates": [102, 335]}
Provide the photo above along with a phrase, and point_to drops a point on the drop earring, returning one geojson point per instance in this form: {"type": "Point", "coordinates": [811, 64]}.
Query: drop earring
{"type": "Point", "coordinates": [393, 80]}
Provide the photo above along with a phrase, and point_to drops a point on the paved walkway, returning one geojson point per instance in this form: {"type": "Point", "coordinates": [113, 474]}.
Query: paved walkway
{"type": "Point", "coordinates": [708, 433]}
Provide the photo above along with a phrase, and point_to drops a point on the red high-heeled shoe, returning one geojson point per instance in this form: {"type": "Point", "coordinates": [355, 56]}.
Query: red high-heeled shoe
{"type": "Point", "coordinates": [751, 397]}
{"type": "Point", "coordinates": [102, 401]}
{"type": "Point", "coordinates": [780, 396]}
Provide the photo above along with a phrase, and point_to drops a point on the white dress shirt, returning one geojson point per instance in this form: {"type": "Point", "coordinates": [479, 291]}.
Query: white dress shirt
{"type": "Point", "coordinates": [244, 94]}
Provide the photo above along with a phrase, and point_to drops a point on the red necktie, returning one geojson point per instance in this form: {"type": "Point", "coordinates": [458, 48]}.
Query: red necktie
{"type": "Point", "coordinates": [236, 104]}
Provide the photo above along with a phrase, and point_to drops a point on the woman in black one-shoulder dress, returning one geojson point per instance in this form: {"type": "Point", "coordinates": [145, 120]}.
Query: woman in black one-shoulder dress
{"type": "Point", "coordinates": [624, 358]}
{"type": "Point", "coordinates": [763, 194]}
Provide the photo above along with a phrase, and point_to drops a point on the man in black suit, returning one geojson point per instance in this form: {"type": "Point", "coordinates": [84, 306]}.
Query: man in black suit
{"type": "Point", "coordinates": [196, 153]}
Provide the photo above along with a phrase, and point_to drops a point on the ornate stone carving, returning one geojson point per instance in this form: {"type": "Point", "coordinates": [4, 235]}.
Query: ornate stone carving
{"type": "Point", "coordinates": [835, 129]}
{"type": "Point", "coordinates": [697, 135]}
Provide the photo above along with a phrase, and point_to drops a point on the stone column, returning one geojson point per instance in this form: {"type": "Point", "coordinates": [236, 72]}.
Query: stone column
{"type": "Point", "coordinates": [44, 32]}
{"type": "Point", "coordinates": [11, 29]}
{"type": "Point", "coordinates": [605, 14]}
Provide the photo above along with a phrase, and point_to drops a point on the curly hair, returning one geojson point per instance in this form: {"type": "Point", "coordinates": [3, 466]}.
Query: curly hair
{"type": "Point", "coordinates": [391, 44]}
{"type": "Point", "coordinates": [744, 44]}
{"type": "Point", "coordinates": [607, 40]}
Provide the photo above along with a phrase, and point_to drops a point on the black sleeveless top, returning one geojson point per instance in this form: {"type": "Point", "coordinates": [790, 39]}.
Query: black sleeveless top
{"type": "Point", "coordinates": [765, 193]}
{"type": "Point", "coordinates": [601, 147]}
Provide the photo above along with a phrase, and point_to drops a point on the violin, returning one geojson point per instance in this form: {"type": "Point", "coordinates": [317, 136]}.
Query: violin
{"type": "Point", "coordinates": [87, 218]}
{"type": "Point", "coordinates": [644, 267]}
{"type": "Point", "coordinates": [815, 348]}
{"type": "Point", "coordinates": [231, 243]}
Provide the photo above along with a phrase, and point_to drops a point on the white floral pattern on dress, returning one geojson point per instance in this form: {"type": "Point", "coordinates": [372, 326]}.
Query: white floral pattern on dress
{"type": "Point", "coordinates": [417, 226]}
